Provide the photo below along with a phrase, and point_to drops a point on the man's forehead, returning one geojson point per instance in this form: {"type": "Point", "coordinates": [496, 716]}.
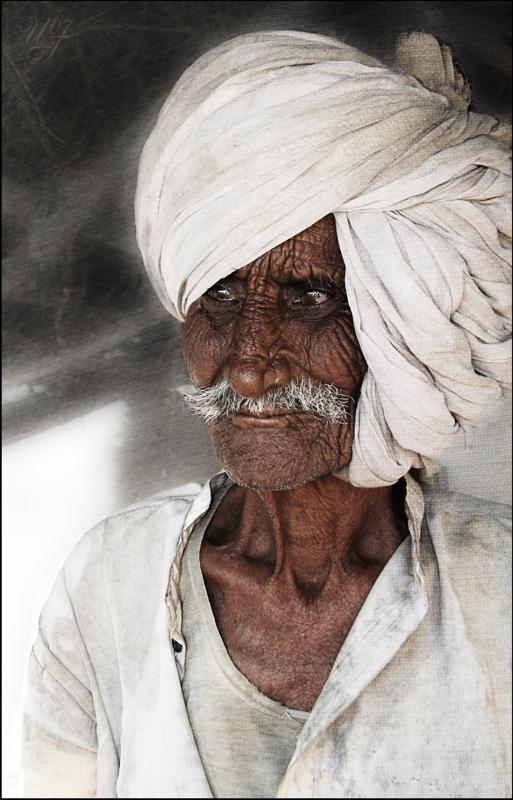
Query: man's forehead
{"type": "Point", "coordinates": [313, 253]}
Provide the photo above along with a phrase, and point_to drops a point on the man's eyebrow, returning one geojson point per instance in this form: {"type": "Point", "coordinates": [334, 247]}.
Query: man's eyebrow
{"type": "Point", "coordinates": [313, 283]}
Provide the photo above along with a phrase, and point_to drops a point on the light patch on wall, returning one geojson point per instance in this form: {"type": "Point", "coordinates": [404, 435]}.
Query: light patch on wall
{"type": "Point", "coordinates": [56, 485]}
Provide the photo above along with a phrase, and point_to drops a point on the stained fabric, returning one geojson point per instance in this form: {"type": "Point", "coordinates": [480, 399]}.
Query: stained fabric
{"type": "Point", "coordinates": [417, 703]}
{"type": "Point", "coordinates": [270, 132]}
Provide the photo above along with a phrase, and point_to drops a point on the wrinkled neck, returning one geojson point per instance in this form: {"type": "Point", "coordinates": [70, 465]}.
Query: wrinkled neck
{"type": "Point", "coordinates": [315, 533]}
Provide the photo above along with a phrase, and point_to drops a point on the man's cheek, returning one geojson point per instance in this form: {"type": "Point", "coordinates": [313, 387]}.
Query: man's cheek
{"type": "Point", "coordinates": [204, 349]}
{"type": "Point", "coordinates": [335, 356]}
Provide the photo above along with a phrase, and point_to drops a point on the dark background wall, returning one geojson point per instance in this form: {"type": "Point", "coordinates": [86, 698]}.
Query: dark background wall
{"type": "Point", "coordinates": [83, 82]}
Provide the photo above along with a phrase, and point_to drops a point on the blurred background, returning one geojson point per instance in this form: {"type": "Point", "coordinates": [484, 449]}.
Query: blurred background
{"type": "Point", "coordinates": [92, 419]}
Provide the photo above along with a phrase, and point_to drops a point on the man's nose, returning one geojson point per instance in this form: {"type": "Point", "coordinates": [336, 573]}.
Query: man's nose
{"type": "Point", "coordinates": [257, 360]}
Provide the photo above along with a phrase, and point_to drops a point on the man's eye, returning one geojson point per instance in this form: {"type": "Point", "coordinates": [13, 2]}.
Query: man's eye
{"type": "Point", "coordinates": [313, 297]}
{"type": "Point", "coordinates": [221, 293]}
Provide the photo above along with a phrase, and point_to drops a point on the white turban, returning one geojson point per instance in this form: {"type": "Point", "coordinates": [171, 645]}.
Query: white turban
{"type": "Point", "coordinates": [270, 132]}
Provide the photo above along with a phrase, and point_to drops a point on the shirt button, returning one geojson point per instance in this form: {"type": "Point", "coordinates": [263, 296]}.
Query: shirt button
{"type": "Point", "coordinates": [177, 647]}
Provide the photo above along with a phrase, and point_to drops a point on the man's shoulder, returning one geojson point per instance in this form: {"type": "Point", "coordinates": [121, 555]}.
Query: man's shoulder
{"type": "Point", "coordinates": [134, 535]}
{"type": "Point", "coordinates": [109, 589]}
{"type": "Point", "coordinates": [173, 499]}
{"type": "Point", "coordinates": [470, 524]}
{"type": "Point", "coordinates": [466, 506]}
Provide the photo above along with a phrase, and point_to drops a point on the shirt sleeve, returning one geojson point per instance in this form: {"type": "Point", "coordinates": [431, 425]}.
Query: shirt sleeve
{"type": "Point", "coordinates": [59, 726]}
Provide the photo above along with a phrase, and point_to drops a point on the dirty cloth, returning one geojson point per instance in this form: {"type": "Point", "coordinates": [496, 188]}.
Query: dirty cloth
{"type": "Point", "coordinates": [418, 703]}
{"type": "Point", "coordinates": [245, 739]}
{"type": "Point", "coordinates": [268, 133]}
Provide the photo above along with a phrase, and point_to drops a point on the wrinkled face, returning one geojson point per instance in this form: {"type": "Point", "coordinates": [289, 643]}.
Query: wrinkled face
{"type": "Point", "coordinates": [284, 318]}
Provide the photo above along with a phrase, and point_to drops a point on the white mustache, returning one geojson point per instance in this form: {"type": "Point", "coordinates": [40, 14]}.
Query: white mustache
{"type": "Point", "coordinates": [323, 400]}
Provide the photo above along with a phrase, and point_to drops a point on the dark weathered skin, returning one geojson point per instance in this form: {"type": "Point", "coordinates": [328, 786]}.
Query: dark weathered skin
{"type": "Point", "coordinates": [292, 552]}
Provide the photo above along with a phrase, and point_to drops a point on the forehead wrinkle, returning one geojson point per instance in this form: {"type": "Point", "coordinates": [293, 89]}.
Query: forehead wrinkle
{"type": "Point", "coordinates": [312, 253]}
{"type": "Point", "coordinates": [308, 259]}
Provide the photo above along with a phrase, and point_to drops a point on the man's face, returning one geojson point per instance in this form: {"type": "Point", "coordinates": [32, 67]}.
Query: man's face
{"type": "Point", "coordinates": [283, 318]}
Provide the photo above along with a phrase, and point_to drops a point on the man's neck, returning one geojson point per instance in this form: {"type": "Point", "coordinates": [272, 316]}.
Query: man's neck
{"type": "Point", "coordinates": [313, 536]}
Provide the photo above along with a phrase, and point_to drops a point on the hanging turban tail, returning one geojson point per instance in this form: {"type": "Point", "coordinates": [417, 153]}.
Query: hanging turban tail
{"type": "Point", "coordinates": [270, 132]}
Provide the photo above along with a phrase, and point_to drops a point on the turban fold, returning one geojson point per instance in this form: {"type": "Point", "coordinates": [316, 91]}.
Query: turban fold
{"type": "Point", "coordinates": [270, 132]}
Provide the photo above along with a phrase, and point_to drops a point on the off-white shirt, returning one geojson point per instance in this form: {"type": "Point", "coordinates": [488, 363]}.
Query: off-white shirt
{"type": "Point", "coordinates": [418, 702]}
{"type": "Point", "coordinates": [245, 739]}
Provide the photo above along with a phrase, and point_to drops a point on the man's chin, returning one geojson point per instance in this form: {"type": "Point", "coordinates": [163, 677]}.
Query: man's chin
{"type": "Point", "coordinates": [275, 460]}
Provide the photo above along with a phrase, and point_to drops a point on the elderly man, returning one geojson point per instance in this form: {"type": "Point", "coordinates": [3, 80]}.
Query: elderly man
{"type": "Point", "coordinates": [335, 238]}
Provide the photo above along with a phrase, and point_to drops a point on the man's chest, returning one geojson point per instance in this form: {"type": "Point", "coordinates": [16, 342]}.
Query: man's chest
{"type": "Point", "coordinates": [284, 643]}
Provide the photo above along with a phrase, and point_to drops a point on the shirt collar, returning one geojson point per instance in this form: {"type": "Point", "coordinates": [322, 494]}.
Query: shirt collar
{"type": "Point", "coordinates": [196, 512]}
